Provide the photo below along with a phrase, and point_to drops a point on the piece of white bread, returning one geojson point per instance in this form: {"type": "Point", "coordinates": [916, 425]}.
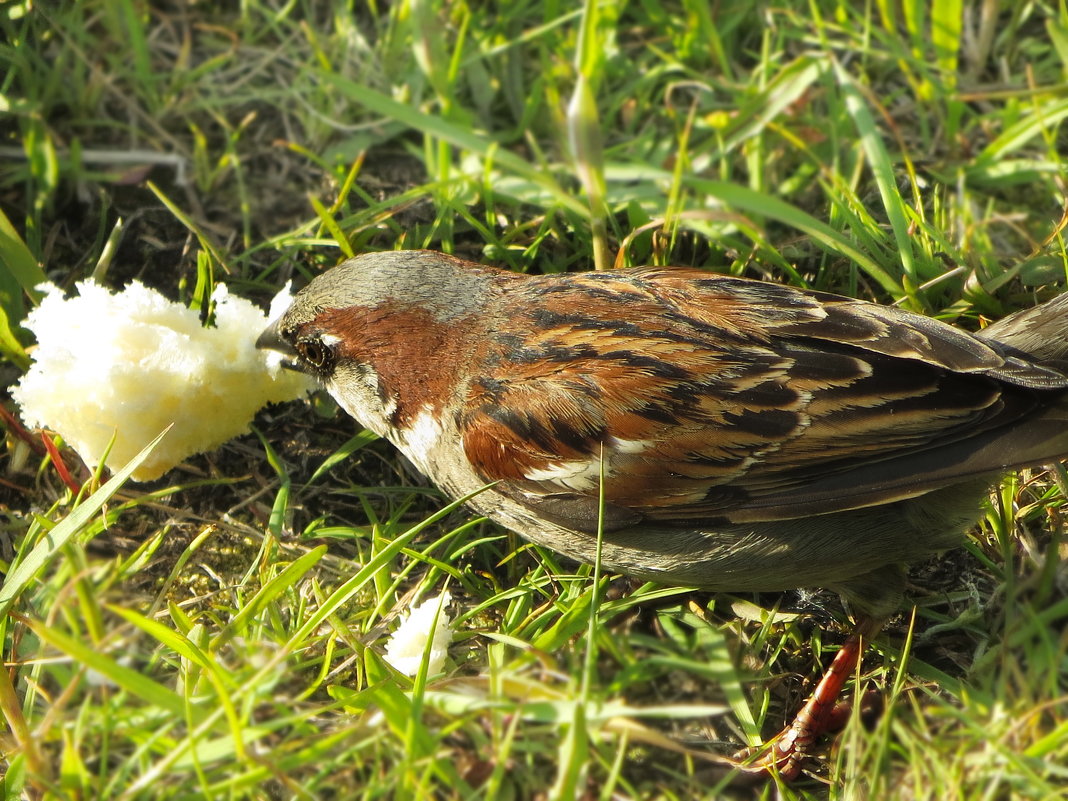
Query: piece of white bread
{"type": "Point", "coordinates": [131, 363]}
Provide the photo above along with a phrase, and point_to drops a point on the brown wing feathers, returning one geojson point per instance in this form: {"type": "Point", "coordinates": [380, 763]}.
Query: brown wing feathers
{"type": "Point", "coordinates": [689, 384]}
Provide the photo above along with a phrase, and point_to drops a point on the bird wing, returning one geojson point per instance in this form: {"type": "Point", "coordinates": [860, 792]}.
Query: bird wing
{"type": "Point", "coordinates": [702, 397]}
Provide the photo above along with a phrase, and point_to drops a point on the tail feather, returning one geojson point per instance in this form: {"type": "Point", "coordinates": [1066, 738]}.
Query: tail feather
{"type": "Point", "coordinates": [1039, 334]}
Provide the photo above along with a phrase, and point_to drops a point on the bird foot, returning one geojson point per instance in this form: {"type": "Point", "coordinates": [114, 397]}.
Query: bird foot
{"type": "Point", "coordinates": [784, 753]}
{"type": "Point", "coordinates": [780, 756]}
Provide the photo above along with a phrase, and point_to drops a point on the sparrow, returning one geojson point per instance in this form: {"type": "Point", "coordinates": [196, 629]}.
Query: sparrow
{"type": "Point", "coordinates": [749, 436]}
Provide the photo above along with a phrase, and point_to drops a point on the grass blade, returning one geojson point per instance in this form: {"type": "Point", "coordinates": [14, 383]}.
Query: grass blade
{"type": "Point", "coordinates": [132, 681]}
{"type": "Point", "coordinates": [458, 136]}
{"type": "Point", "coordinates": [764, 205]}
{"type": "Point", "coordinates": [882, 169]}
{"type": "Point", "coordinates": [49, 547]}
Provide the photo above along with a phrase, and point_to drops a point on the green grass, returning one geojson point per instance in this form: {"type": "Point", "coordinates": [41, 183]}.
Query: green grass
{"type": "Point", "coordinates": [219, 633]}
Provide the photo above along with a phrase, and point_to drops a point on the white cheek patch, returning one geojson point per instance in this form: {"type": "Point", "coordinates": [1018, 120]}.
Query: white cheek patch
{"type": "Point", "coordinates": [356, 391]}
{"type": "Point", "coordinates": [420, 438]}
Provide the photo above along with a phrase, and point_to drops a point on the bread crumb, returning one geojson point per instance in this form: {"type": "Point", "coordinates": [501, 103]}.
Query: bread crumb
{"type": "Point", "coordinates": [131, 363]}
{"type": "Point", "coordinates": [428, 621]}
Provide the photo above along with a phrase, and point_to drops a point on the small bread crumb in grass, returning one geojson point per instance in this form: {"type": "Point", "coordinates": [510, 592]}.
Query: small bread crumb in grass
{"type": "Point", "coordinates": [131, 363]}
{"type": "Point", "coordinates": [428, 621]}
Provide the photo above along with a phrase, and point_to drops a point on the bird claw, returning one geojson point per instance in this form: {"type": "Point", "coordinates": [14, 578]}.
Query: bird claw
{"type": "Point", "coordinates": [781, 756]}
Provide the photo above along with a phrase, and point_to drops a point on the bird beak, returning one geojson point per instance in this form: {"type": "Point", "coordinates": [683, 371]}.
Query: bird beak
{"type": "Point", "coordinates": [272, 339]}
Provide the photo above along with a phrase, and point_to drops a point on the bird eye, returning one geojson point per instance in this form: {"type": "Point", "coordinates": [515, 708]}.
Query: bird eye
{"type": "Point", "coordinates": [317, 354]}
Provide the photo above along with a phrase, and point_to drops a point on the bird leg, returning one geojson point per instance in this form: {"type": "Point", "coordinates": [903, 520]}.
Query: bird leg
{"type": "Point", "coordinates": [784, 753]}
